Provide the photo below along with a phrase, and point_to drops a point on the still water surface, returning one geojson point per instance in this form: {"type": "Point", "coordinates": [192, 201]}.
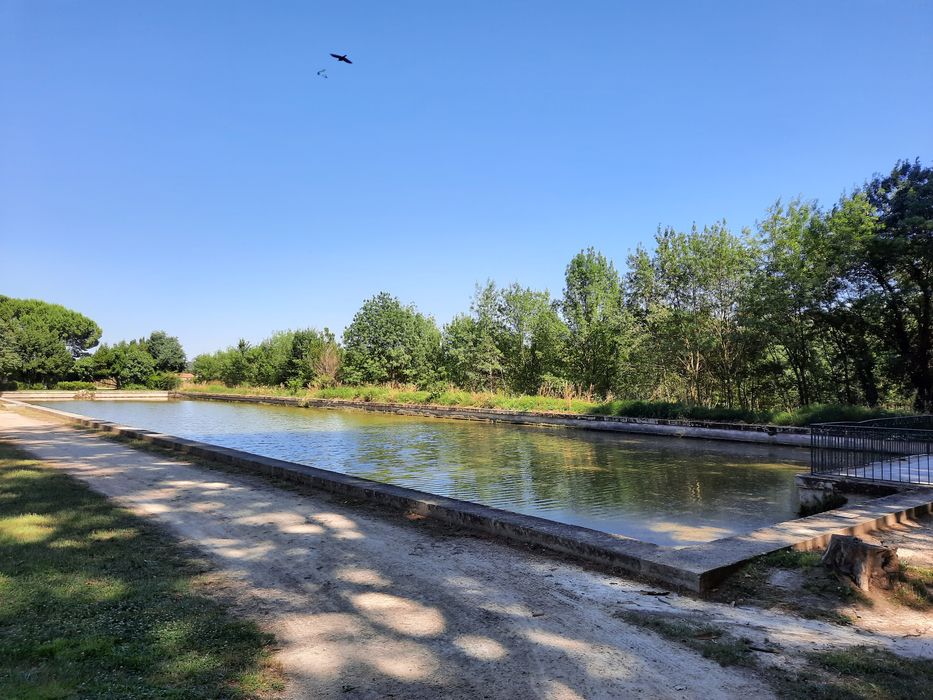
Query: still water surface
{"type": "Point", "coordinates": [670, 491]}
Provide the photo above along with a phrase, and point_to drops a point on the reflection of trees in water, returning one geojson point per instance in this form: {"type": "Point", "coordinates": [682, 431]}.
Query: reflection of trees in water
{"type": "Point", "coordinates": [570, 474]}
{"type": "Point", "coordinates": [543, 469]}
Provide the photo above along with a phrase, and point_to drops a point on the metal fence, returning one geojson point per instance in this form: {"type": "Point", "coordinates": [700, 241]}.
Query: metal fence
{"type": "Point", "coordinates": [885, 449]}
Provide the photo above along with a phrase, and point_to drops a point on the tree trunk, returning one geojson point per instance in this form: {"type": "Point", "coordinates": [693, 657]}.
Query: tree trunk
{"type": "Point", "coordinates": [867, 565]}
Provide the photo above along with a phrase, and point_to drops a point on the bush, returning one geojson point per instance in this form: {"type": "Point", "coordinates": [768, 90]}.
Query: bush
{"type": "Point", "coordinates": [75, 386]}
{"type": "Point", "coordinates": [556, 387]}
{"type": "Point", "coordinates": [828, 413]}
{"type": "Point", "coordinates": [165, 381]}
{"type": "Point", "coordinates": [134, 387]}
{"type": "Point", "coordinates": [9, 386]}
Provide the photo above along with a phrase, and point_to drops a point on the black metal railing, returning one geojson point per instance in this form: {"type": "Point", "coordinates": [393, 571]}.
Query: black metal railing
{"type": "Point", "coordinates": [884, 449]}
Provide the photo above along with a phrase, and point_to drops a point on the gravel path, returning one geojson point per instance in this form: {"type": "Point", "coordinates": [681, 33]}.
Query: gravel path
{"type": "Point", "coordinates": [366, 604]}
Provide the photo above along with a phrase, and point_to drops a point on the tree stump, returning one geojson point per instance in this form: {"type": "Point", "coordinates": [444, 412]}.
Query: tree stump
{"type": "Point", "coordinates": [867, 565]}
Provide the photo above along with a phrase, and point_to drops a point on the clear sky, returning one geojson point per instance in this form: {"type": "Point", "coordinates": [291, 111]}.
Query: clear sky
{"type": "Point", "coordinates": [180, 165]}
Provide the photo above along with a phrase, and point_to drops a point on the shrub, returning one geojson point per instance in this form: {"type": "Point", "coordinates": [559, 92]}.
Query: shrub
{"type": "Point", "coordinates": [75, 386]}
{"type": "Point", "coordinates": [9, 386]}
{"type": "Point", "coordinates": [166, 381]}
{"type": "Point", "coordinates": [554, 386]}
{"type": "Point", "coordinates": [828, 413]}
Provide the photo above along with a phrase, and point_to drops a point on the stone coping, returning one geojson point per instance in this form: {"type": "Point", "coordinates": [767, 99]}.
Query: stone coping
{"type": "Point", "coordinates": [791, 436]}
{"type": "Point", "coordinates": [86, 395]}
{"type": "Point", "coordinates": [696, 568]}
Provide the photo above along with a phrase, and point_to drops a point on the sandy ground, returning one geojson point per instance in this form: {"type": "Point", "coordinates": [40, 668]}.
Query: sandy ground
{"type": "Point", "coordinates": [366, 604]}
{"type": "Point", "coordinates": [914, 543]}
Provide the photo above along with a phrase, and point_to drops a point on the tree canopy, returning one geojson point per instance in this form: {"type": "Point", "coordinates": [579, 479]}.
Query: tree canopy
{"type": "Point", "coordinates": [811, 305]}
{"type": "Point", "coordinates": [39, 341]}
{"type": "Point", "coordinates": [389, 342]}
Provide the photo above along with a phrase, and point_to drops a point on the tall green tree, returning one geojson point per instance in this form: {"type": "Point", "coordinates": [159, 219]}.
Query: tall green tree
{"type": "Point", "coordinates": [470, 344]}
{"type": "Point", "coordinates": [235, 364]}
{"type": "Point", "coordinates": [42, 340]}
{"type": "Point", "coordinates": [597, 321]}
{"type": "Point", "coordinates": [889, 226]}
{"type": "Point", "coordinates": [389, 342]}
{"type": "Point", "coordinates": [124, 363]}
{"type": "Point", "coordinates": [166, 351]}
{"type": "Point", "coordinates": [791, 292]}
{"type": "Point", "coordinates": [9, 359]}
{"type": "Point", "coordinates": [687, 298]}
{"type": "Point", "coordinates": [41, 354]}
{"type": "Point", "coordinates": [533, 338]}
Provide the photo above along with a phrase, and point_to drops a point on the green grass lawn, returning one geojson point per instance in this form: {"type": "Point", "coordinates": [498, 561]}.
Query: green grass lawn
{"type": "Point", "coordinates": [96, 603]}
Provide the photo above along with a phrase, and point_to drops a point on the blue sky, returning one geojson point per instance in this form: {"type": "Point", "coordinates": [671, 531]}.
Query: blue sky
{"type": "Point", "coordinates": [180, 165]}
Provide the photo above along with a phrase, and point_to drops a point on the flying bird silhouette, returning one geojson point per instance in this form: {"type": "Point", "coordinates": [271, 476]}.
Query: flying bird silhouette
{"type": "Point", "coordinates": [342, 59]}
{"type": "Point", "coordinates": [322, 73]}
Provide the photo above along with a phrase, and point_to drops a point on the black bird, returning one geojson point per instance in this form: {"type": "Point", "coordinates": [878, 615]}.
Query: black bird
{"type": "Point", "coordinates": [342, 59]}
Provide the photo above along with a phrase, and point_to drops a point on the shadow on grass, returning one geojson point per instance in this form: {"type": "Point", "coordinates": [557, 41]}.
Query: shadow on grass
{"type": "Point", "coordinates": [862, 673]}
{"type": "Point", "coordinates": [95, 602]}
{"type": "Point", "coordinates": [856, 673]}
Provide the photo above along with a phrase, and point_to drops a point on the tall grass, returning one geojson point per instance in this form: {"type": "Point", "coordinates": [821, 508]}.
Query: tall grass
{"type": "Point", "coordinates": [660, 410]}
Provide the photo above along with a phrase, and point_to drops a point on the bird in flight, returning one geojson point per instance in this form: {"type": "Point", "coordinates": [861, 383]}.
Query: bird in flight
{"type": "Point", "coordinates": [322, 73]}
{"type": "Point", "coordinates": [342, 59]}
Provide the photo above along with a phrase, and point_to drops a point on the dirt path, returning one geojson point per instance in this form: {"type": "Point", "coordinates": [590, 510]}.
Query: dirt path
{"type": "Point", "coordinates": [366, 604]}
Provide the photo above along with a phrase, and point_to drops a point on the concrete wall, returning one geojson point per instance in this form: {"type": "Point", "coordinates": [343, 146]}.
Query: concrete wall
{"type": "Point", "coordinates": [85, 395]}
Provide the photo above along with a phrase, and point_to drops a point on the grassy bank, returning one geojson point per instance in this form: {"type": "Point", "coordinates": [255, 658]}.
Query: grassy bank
{"type": "Point", "coordinates": [855, 673]}
{"type": "Point", "coordinates": [95, 602]}
{"type": "Point", "coordinates": [860, 672]}
{"type": "Point", "coordinates": [630, 409]}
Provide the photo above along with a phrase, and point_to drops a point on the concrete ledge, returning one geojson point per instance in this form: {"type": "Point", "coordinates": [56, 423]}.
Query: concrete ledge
{"type": "Point", "coordinates": [707, 430]}
{"type": "Point", "coordinates": [697, 568]}
{"type": "Point", "coordinates": [711, 562]}
{"type": "Point", "coordinates": [86, 395]}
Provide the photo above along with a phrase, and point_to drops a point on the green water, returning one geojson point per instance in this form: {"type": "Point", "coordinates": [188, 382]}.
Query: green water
{"type": "Point", "coordinates": [666, 490]}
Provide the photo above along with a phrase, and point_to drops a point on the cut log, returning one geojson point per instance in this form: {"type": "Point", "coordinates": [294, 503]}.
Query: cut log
{"type": "Point", "coordinates": [867, 565]}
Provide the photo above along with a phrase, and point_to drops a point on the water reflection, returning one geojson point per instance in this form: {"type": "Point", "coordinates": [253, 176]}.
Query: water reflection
{"type": "Point", "coordinates": [663, 490]}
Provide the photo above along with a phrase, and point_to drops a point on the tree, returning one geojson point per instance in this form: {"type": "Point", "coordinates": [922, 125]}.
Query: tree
{"type": "Point", "coordinates": [598, 324]}
{"type": "Point", "coordinates": [75, 330]}
{"type": "Point", "coordinates": [470, 344]}
{"type": "Point", "coordinates": [267, 363]}
{"type": "Point", "coordinates": [687, 297]}
{"type": "Point", "coordinates": [790, 293]}
{"type": "Point", "coordinates": [41, 341]}
{"type": "Point", "coordinates": [389, 342]}
{"type": "Point", "coordinates": [9, 359]}
{"type": "Point", "coordinates": [471, 358]}
{"type": "Point", "coordinates": [41, 354]}
{"type": "Point", "coordinates": [234, 364]}
{"type": "Point", "coordinates": [888, 226]}
{"type": "Point", "coordinates": [206, 367]}
{"type": "Point", "coordinates": [166, 351]}
{"type": "Point", "coordinates": [313, 358]}
{"type": "Point", "coordinates": [533, 338]}
{"type": "Point", "coordinates": [129, 363]}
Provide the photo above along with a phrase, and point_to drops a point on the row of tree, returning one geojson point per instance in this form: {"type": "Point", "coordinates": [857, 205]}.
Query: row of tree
{"type": "Point", "coordinates": [814, 305]}
{"type": "Point", "coordinates": [42, 344]}
{"type": "Point", "coordinates": [153, 362]}
{"type": "Point", "coordinates": [296, 359]}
